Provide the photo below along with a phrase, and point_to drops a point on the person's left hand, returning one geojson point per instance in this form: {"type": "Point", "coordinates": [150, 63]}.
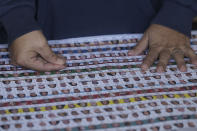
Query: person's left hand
{"type": "Point", "coordinates": [163, 43]}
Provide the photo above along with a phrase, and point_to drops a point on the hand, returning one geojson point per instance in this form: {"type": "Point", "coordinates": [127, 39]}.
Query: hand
{"type": "Point", "coordinates": [32, 51]}
{"type": "Point", "coordinates": [163, 43]}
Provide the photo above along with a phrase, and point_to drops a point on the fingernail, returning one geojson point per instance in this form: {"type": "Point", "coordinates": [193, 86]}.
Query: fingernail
{"type": "Point", "coordinates": [61, 61]}
{"type": "Point", "coordinates": [183, 69]}
{"type": "Point", "coordinates": [160, 70]}
{"type": "Point", "coordinates": [131, 53]}
{"type": "Point", "coordinates": [144, 67]}
{"type": "Point", "coordinates": [194, 63]}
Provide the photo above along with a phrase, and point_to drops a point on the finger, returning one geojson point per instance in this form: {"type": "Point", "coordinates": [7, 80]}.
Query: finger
{"type": "Point", "coordinates": [163, 60]}
{"type": "Point", "coordinates": [140, 47]}
{"type": "Point", "coordinates": [39, 64]}
{"type": "Point", "coordinates": [189, 52]}
{"type": "Point", "coordinates": [179, 58]}
{"type": "Point", "coordinates": [150, 58]}
{"type": "Point", "coordinates": [50, 56]}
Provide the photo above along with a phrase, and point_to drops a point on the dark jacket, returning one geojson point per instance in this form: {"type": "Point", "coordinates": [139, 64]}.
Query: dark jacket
{"type": "Point", "coordinates": [60, 19]}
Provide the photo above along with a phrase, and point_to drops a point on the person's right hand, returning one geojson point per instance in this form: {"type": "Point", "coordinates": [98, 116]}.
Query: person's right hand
{"type": "Point", "coordinates": [31, 50]}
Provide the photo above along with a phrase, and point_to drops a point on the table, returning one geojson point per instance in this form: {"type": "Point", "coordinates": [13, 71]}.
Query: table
{"type": "Point", "coordinates": [101, 89]}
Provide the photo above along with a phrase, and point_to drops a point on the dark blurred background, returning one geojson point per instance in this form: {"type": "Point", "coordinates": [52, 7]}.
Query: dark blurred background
{"type": "Point", "coordinates": [3, 36]}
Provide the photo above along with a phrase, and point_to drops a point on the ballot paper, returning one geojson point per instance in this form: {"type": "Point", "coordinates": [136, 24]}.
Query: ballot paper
{"type": "Point", "coordinates": [102, 88]}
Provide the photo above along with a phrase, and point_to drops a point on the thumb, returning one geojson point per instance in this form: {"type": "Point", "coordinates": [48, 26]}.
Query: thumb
{"type": "Point", "coordinates": [140, 47]}
{"type": "Point", "coordinates": [50, 56]}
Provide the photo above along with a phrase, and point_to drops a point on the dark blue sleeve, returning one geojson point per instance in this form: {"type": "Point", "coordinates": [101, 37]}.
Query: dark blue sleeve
{"type": "Point", "coordinates": [177, 14]}
{"type": "Point", "coordinates": [18, 17]}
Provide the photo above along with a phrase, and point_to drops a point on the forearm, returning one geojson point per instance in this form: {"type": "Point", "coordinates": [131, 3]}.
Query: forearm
{"type": "Point", "coordinates": [190, 4]}
{"type": "Point", "coordinates": [18, 17]}
{"type": "Point", "coordinates": [177, 14]}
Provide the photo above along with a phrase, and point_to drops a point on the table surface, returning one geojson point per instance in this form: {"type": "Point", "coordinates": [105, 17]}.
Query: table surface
{"type": "Point", "coordinates": [102, 88]}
